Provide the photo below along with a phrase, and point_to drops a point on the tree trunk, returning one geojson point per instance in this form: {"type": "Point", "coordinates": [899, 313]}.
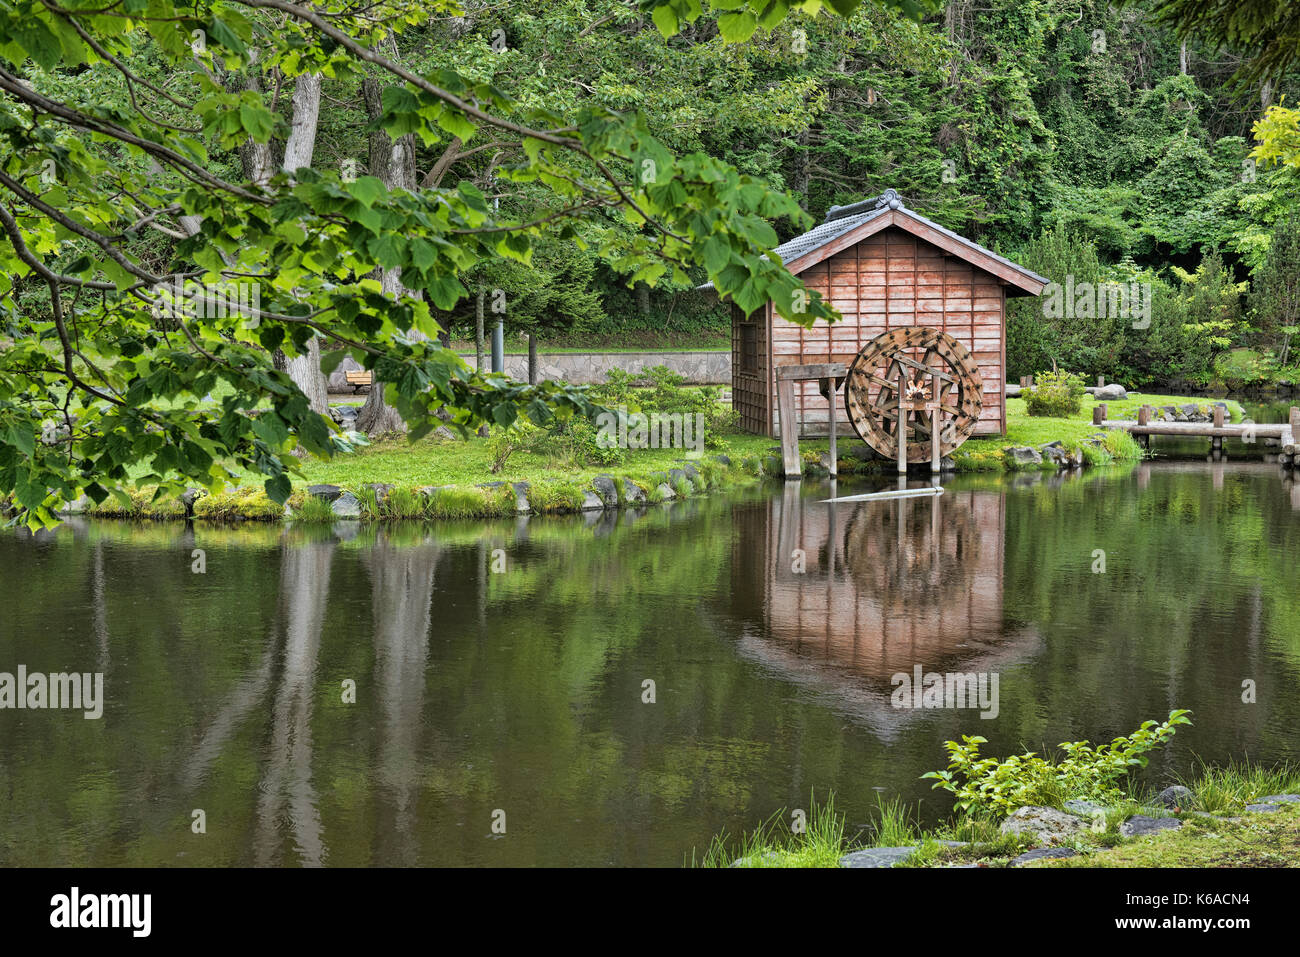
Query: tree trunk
{"type": "Point", "coordinates": [393, 162]}
{"type": "Point", "coordinates": [304, 369]}
{"type": "Point", "coordinates": [532, 359]}
{"type": "Point", "coordinates": [1182, 58]}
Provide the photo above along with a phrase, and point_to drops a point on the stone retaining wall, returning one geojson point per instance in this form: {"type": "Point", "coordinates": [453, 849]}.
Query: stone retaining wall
{"type": "Point", "coordinates": [586, 368]}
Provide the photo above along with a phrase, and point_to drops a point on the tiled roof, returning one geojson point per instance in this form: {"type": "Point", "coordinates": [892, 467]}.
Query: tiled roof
{"type": "Point", "coordinates": [845, 219]}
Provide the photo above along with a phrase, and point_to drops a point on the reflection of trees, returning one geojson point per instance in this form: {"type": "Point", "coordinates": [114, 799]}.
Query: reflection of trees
{"type": "Point", "coordinates": [402, 580]}
{"type": "Point", "coordinates": [286, 788]}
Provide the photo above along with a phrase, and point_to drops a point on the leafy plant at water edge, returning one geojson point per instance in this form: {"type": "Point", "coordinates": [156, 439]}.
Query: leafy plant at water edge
{"type": "Point", "coordinates": [985, 785]}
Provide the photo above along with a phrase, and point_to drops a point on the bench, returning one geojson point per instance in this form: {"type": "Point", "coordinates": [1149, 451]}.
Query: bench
{"type": "Point", "coordinates": [359, 379]}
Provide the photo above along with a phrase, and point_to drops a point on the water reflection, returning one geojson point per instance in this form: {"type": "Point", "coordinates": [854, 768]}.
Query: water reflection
{"type": "Point", "coordinates": [523, 689]}
{"type": "Point", "coordinates": [853, 593]}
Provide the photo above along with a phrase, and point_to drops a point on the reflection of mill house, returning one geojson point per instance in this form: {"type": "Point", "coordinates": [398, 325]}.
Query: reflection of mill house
{"type": "Point", "coordinates": [883, 267]}
{"type": "Point", "coordinates": [842, 598]}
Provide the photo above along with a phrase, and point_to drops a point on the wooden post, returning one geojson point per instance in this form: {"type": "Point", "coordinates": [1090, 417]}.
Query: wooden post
{"type": "Point", "coordinates": [1101, 381]}
{"type": "Point", "coordinates": [902, 423]}
{"type": "Point", "coordinates": [1099, 413]}
{"type": "Point", "coordinates": [790, 463]}
{"type": "Point", "coordinates": [1218, 416]}
{"type": "Point", "coordinates": [828, 389]}
{"type": "Point", "coordinates": [1295, 423]}
{"type": "Point", "coordinates": [936, 426]}
{"type": "Point", "coordinates": [1144, 415]}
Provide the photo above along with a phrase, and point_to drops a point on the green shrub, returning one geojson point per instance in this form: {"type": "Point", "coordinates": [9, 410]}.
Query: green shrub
{"type": "Point", "coordinates": [989, 786]}
{"type": "Point", "coordinates": [1056, 394]}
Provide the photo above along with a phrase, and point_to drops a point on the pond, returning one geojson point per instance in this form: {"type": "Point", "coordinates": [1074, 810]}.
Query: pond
{"type": "Point", "coordinates": [501, 670]}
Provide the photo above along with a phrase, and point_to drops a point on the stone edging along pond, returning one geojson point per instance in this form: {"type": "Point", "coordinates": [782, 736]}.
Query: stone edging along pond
{"type": "Point", "coordinates": [380, 501]}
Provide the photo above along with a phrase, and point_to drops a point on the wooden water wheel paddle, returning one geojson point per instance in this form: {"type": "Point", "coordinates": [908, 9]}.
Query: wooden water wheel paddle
{"type": "Point", "coordinates": [935, 377]}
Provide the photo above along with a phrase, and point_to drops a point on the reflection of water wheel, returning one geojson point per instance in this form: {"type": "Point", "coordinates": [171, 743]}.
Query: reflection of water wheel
{"type": "Point", "coordinates": [910, 552]}
{"type": "Point", "coordinates": [914, 354]}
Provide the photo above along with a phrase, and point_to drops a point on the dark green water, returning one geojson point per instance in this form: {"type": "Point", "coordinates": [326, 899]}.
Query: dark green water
{"type": "Point", "coordinates": [521, 691]}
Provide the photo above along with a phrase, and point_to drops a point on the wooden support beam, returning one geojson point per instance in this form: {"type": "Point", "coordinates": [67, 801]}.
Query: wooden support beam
{"type": "Point", "coordinates": [791, 467]}
{"type": "Point", "coordinates": [1099, 413]}
{"type": "Point", "coordinates": [1219, 416]}
{"type": "Point", "coordinates": [936, 427]}
{"type": "Point", "coordinates": [830, 388]}
{"type": "Point", "coordinates": [902, 424]}
{"type": "Point", "coordinates": [1144, 415]}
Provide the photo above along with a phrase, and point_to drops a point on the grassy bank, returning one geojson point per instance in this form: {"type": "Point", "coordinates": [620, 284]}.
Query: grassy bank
{"type": "Point", "coordinates": [1216, 831]}
{"type": "Point", "coordinates": [459, 469]}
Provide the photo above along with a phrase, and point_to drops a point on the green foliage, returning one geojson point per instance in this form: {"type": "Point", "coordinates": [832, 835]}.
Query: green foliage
{"type": "Point", "coordinates": [984, 785]}
{"type": "Point", "coordinates": [1057, 394]}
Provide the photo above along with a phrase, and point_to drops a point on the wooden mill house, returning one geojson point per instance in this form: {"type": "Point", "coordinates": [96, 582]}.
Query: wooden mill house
{"type": "Point", "coordinates": [883, 266]}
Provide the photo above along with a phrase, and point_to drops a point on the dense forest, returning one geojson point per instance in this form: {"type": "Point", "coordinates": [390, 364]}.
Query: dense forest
{"type": "Point", "coordinates": [1079, 139]}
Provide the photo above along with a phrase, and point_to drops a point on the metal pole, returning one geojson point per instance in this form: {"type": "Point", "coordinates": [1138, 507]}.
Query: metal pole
{"type": "Point", "coordinates": [499, 347]}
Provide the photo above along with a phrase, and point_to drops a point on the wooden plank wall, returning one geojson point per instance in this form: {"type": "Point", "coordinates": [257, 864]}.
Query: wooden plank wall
{"type": "Point", "coordinates": [895, 279]}
{"type": "Point", "coordinates": [748, 395]}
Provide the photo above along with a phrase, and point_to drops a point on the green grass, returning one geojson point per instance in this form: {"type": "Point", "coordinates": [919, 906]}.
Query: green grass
{"type": "Point", "coordinates": [1259, 840]}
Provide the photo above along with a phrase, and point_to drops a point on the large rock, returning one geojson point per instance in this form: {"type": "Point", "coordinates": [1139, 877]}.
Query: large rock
{"type": "Point", "coordinates": [1046, 824]}
{"type": "Point", "coordinates": [633, 493]}
{"type": "Point", "coordinates": [1055, 453]}
{"type": "Point", "coordinates": [1263, 808]}
{"type": "Point", "coordinates": [327, 492]}
{"type": "Point", "coordinates": [1039, 853]}
{"type": "Point", "coordinates": [346, 506]}
{"type": "Point", "coordinates": [666, 492]}
{"type": "Point", "coordinates": [381, 490]}
{"type": "Point", "coordinates": [1140, 825]}
{"type": "Point", "coordinates": [604, 487]}
{"type": "Point", "coordinates": [1176, 796]}
{"type": "Point", "coordinates": [1280, 799]}
{"type": "Point", "coordinates": [1013, 391]}
{"type": "Point", "coordinates": [591, 502]}
{"type": "Point", "coordinates": [1110, 393]}
{"type": "Point", "coordinates": [877, 857]}
{"type": "Point", "coordinates": [1022, 456]}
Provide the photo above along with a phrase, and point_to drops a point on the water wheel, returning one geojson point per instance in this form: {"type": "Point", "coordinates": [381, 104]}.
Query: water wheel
{"type": "Point", "coordinates": [928, 370]}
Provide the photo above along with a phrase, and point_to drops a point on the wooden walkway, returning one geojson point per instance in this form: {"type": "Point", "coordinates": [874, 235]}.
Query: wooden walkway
{"type": "Point", "coordinates": [1284, 433]}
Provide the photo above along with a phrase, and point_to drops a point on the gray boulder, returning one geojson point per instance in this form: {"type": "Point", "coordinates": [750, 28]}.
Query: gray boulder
{"type": "Point", "coordinates": [1139, 825]}
{"type": "Point", "coordinates": [1176, 796]}
{"type": "Point", "coordinates": [666, 492]}
{"type": "Point", "coordinates": [606, 489]}
{"type": "Point", "coordinates": [346, 505]}
{"type": "Point", "coordinates": [591, 502]}
{"type": "Point", "coordinates": [1280, 799]}
{"type": "Point", "coordinates": [1020, 455]}
{"type": "Point", "coordinates": [634, 493]}
{"type": "Point", "coordinates": [1262, 808]}
{"type": "Point", "coordinates": [1055, 453]}
{"type": "Point", "coordinates": [1038, 853]}
{"type": "Point", "coordinates": [328, 492]}
{"type": "Point", "coordinates": [1110, 393]}
{"type": "Point", "coordinates": [381, 490]}
{"type": "Point", "coordinates": [1013, 391]}
{"type": "Point", "coordinates": [1047, 825]}
{"type": "Point", "coordinates": [877, 857]}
